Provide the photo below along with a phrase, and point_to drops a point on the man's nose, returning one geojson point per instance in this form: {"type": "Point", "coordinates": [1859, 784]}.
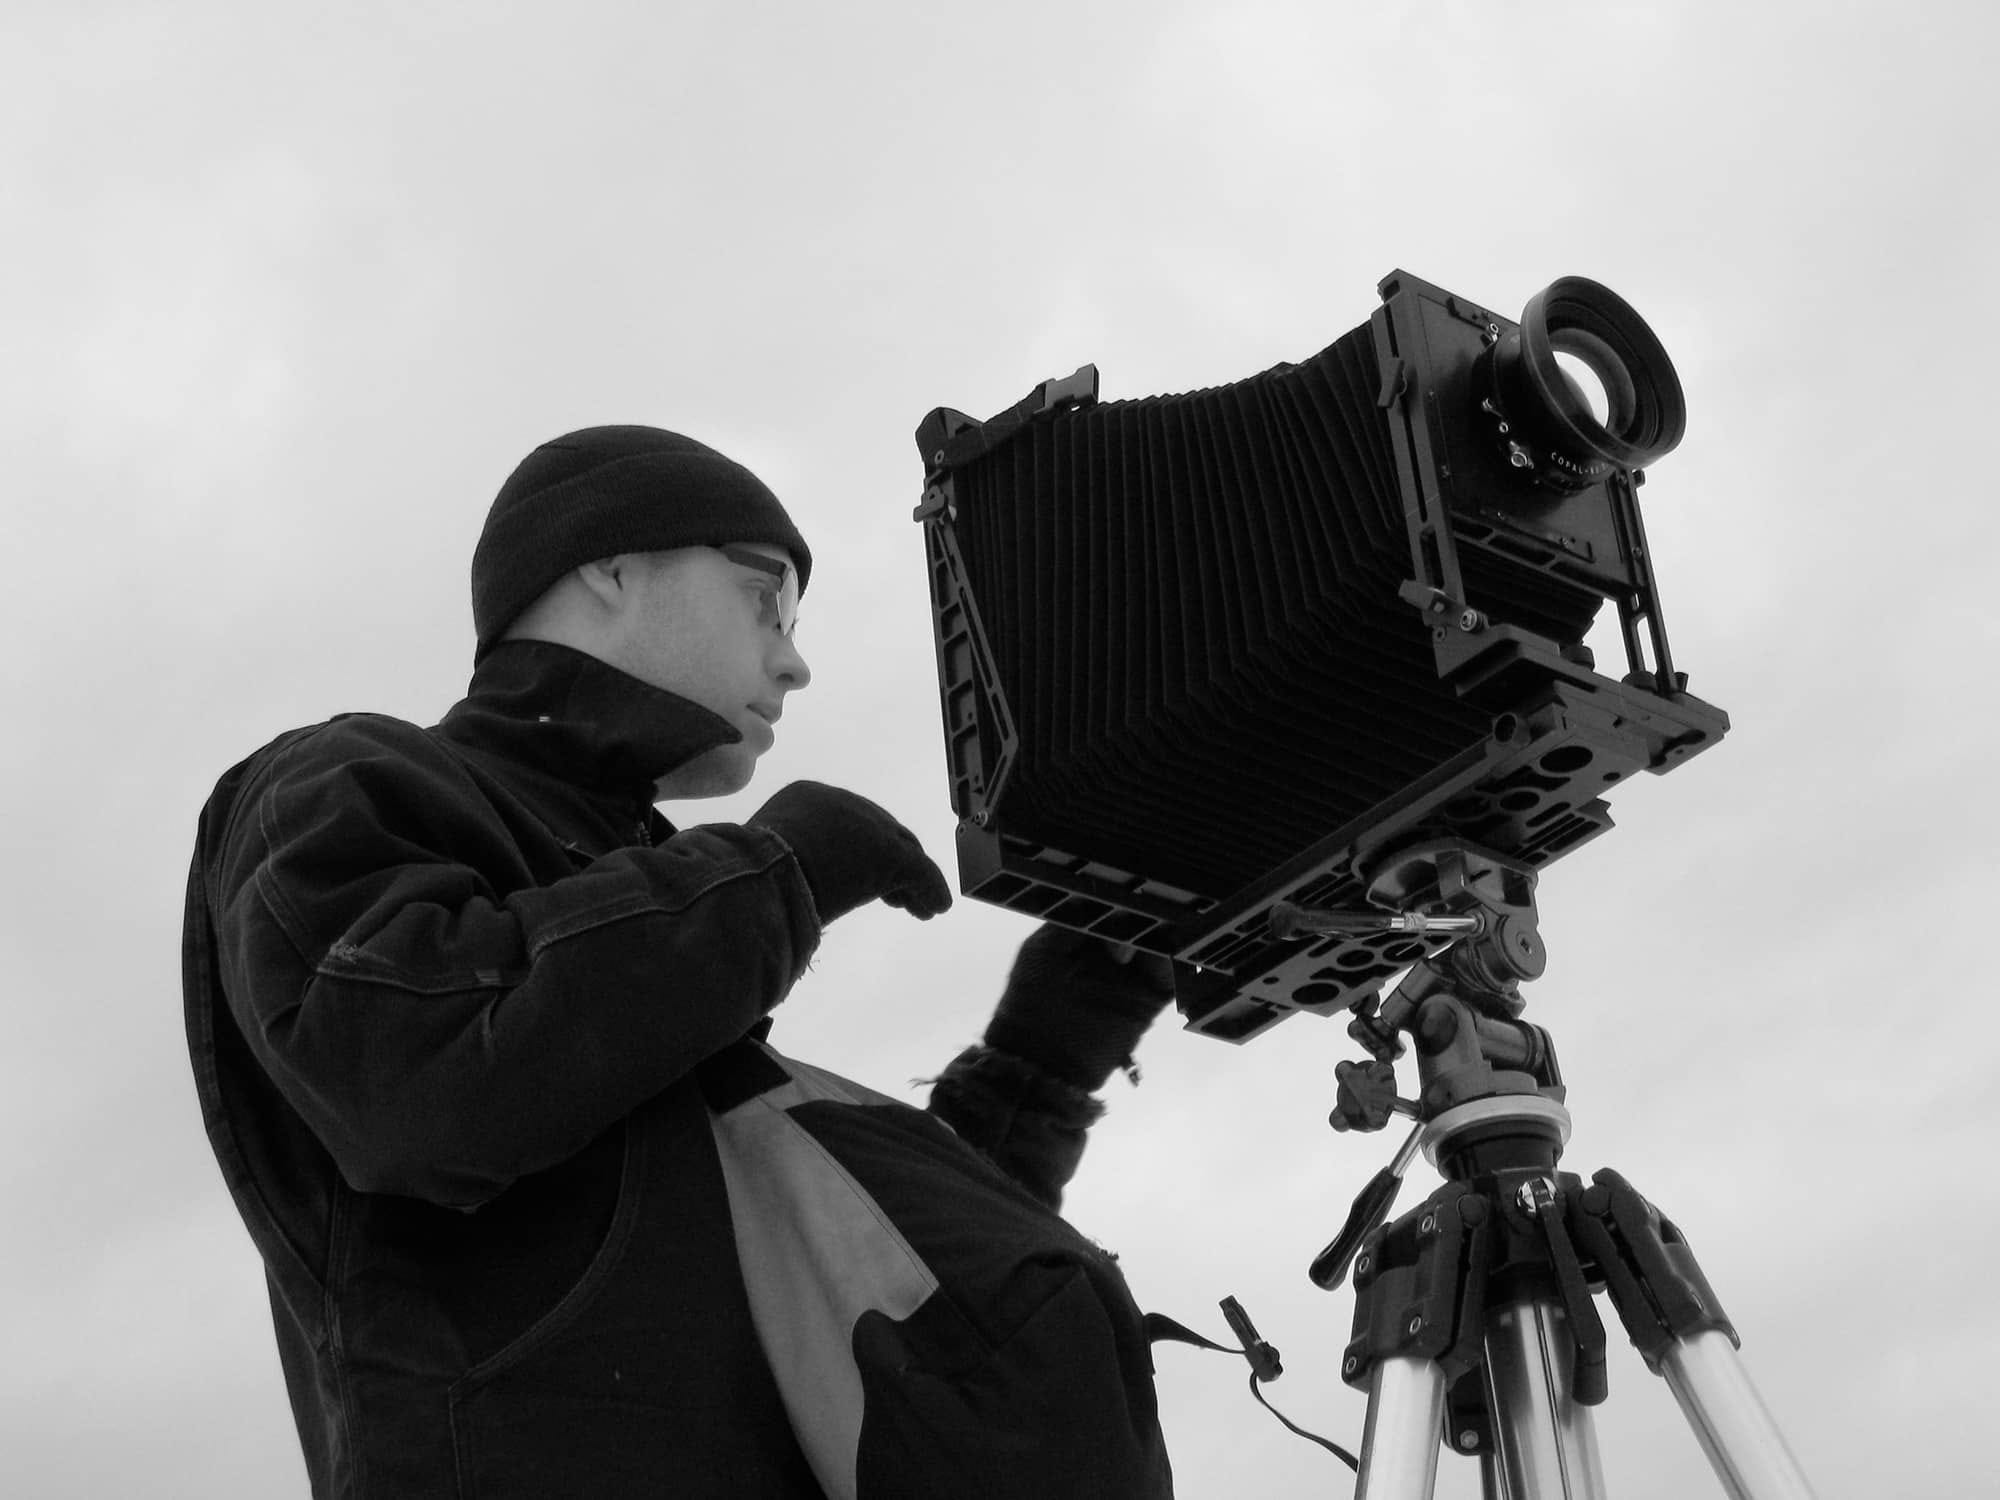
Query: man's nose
{"type": "Point", "coordinates": [790, 667]}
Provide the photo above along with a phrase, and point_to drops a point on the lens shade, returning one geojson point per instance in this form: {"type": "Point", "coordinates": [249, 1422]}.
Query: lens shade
{"type": "Point", "coordinates": [1567, 445]}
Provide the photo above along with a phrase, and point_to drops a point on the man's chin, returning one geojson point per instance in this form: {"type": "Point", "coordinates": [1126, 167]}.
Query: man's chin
{"type": "Point", "coordinates": [715, 773]}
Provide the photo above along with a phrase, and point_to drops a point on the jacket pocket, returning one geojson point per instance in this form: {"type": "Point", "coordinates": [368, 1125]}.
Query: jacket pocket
{"type": "Point", "coordinates": [528, 1403]}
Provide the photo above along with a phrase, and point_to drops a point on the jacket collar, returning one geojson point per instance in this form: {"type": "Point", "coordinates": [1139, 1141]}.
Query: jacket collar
{"type": "Point", "coordinates": [572, 717]}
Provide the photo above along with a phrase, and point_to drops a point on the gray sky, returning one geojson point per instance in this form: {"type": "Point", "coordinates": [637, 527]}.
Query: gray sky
{"type": "Point", "coordinates": [289, 290]}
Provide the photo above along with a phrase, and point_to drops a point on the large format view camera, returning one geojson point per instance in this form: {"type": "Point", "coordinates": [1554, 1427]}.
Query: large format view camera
{"type": "Point", "coordinates": [1211, 658]}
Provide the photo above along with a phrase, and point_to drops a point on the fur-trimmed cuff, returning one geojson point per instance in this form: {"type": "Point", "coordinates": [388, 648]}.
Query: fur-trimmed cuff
{"type": "Point", "coordinates": [1025, 1084]}
{"type": "Point", "coordinates": [1029, 1123]}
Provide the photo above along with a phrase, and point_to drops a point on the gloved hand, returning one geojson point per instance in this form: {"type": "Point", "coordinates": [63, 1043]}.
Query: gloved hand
{"type": "Point", "coordinates": [852, 852]}
{"type": "Point", "coordinates": [1074, 1009]}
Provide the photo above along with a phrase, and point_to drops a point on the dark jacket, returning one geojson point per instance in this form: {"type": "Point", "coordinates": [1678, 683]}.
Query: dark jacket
{"type": "Point", "coordinates": [462, 1009]}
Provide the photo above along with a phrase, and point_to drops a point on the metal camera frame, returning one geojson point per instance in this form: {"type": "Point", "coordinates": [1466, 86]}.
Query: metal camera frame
{"type": "Point", "coordinates": [1560, 735]}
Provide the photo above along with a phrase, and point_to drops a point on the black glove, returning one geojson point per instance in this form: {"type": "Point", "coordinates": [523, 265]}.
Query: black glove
{"type": "Point", "coordinates": [1076, 1006]}
{"type": "Point", "coordinates": [852, 852]}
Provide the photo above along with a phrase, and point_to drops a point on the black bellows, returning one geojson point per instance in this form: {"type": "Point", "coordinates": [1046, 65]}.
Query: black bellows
{"type": "Point", "coordinates": [1204, 646]}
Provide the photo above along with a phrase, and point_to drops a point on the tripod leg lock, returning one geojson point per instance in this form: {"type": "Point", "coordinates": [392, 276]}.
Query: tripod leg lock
{"type": "Point", "coordinates": [1589, 1383]}
{"type": "Point", "coordinates": [1420, 1287]}
{"type": "Point", "coordinates": [1659, 1290]}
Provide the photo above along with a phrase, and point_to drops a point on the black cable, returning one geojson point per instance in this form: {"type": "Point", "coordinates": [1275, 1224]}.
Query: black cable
{"type": "Point", "coordinates": [1264, 1364]}
{"type": "Point", "coordinates": [1332, 1447]}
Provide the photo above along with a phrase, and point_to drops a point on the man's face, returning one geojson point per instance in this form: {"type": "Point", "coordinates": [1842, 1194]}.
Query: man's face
{"type": "Point", "coordinates": [714, 626]}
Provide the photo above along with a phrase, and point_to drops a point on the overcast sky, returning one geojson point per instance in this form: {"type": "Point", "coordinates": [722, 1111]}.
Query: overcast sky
{"type": "Point", "coordinates": [290, 289]}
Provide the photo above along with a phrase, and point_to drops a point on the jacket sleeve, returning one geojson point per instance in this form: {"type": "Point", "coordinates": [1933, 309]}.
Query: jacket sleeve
{"type": "Point", "coordinates": [443, 1038]}
{"type": "Point", "coordinates": [1027, 1121]}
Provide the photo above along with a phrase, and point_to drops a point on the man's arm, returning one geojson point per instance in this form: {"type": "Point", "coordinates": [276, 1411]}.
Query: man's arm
{"type": "Point", "coordinates": [443, 1039]}
{"type": "Point", "coordinates": [1073, 1011]}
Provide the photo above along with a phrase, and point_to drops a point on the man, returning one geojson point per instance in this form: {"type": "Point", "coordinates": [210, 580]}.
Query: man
{"type": "Point", "coordinates": [479, 1040]}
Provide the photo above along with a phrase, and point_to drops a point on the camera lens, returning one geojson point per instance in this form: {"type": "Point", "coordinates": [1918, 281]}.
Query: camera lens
{"type": "Point", "coordinates": [1584, 386]}
{"type": "Point", "coordinates": [1585, 382]}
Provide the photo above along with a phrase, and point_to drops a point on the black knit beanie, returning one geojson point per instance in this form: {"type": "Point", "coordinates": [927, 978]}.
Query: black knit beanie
{"type": "Point", "coordinates": [600, 491]}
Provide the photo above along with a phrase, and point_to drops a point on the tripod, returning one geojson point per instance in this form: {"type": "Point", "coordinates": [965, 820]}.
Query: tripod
{"type": "Point", "coordinates": [1474, 1319]}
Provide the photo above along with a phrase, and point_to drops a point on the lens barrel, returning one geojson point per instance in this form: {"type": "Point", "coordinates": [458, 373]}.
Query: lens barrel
{"type": "Point", "coordinates": [1546, 422]}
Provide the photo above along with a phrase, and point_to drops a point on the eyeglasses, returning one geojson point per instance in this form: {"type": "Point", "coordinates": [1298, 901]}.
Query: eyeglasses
{"type": "Point", "coordinates": [780, 597]}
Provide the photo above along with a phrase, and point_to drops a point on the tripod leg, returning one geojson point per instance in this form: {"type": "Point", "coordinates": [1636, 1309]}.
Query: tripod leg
{"type": "Point", "coordinates": [1399, 1445]}
{"type": "Point", "coordinates": [1546, 1441]}
{"type": "Point", "coordinates": [1736, 1432]}
{"type": "Point", "coordinates": [1676, 1323]}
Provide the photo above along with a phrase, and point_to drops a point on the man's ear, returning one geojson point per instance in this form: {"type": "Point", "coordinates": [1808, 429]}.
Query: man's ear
{"type": "Point", "coordinates": [609, 580]}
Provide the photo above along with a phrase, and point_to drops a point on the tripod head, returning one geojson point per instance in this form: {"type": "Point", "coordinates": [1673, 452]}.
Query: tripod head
{"type": "Point", "coordinates": [1478, 1062]}
{"type": "Point", "coordinates": [1461, 1005]}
